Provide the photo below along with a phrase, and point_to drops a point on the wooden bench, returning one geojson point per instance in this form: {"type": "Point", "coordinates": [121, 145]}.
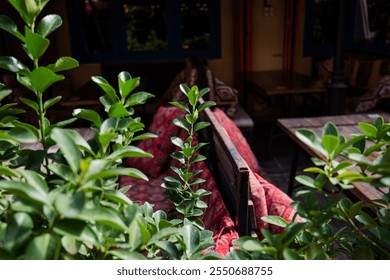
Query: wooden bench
{"type": "Point", "coordinates": [230, 171]}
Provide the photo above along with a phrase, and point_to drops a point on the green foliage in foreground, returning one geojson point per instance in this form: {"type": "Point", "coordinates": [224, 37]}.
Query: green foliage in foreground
{"type": "Point", "coordinates": [63, 201]}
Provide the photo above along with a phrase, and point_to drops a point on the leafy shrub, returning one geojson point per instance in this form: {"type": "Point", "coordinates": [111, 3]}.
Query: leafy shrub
{"type": "Point", "coordinates": [63, 201]}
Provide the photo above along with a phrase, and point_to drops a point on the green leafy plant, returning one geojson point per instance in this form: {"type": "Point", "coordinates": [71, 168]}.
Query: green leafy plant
{"type": "Point", "coordinates": [362, 158]}
{"type": "Point", "coordinates": [62, 200]}
{"type": "Point", "coordinates": [182, 190]}
{"type": "Point", "coordinates": [363, 229]}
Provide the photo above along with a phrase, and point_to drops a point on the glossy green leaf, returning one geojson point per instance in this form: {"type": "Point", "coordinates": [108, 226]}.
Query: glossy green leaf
{"type": "Point", "coordinates": [10, 26]}
{"type": "Point", "coordinates": [343, 165]}
{"type": "Point", "coordinates": [118, 110]}
{"type": "Point", "coordinates": [4, 91]}
{"type": "Point", "coordinates": [76, 229]}
{"type": "Point", "coordinates": [314, 170]}
{"type": "Point", "coordinates": [105, 216]}
{"type": "Point", "coordinates": [36, 45]}
{"type": "Point", "coordinates": [182, 123]}
{"type": "Point", "coordinates": [192, 95]}
{"type": "Point", "coordinates": [191, 238]}
{"type": "Point", "coordinates": [6, 171]}
{"type": "Point", "coordinates": [355, 209]}
{"type": "Point", "coordinates": [28, 9]}
{"type": "Point", "coordinates": [127, 84]}
{"type": "Point", "coordinates": [48, 24]}
{"type": "Point", "coordinates": [24, 133]}
{"type": "Point", "coordinates": [118, 197]}
{"type": "Point", "coordinates": [128, 151]}
{"type": "Point", "coordinates": [70, 245]}
{"type": "Point", "coordinates": [143, 136]}
{"type": "Point", "coordinates": [330, 143]}
{"type": "Point", "coordinates": [68, 148]}
{"type": "Point", "coordinates": [63, 64]}
{"type": "Point", "coordinates": [350, 175]}
{"type": "Point", "coordinates": [206, 104]}
{"type": "Point", "coordinates": [30, 103]}
{"type": "Point", "coordinates": [275, 220]}
{"type": "Point", "coordinates": [43, 247]}
{"type": "Point", "coordinates": [305, 180]}
{"type": "Point", "coordinates": [204, 91]}
{"type": "Point", "coordinates": [368, 129]}
{"type": "Point", "coordinates": [200, 125]}
{"type": "Point", "coordinates": [291, 231]}
{"type": "Point", "coordinates": [311, 139]}
{"type": "Point", "coordinates": [89, 115]}
{"type": "Point", "coordinates": [51, 102]}
{"type": "Point", "coordinates": [180, 105]}
{"type": "Point", "coordinates": [315, 252]}
{"type": "Point", "coordinates": [69, 205]}
{"type": "Point", "coordinates": [63, 171]}
{"type": "Point", "coordinates": [115, 172]}
{"type": "Point", "coordinates": [14, 65]}
{"type": "Point", "coordinates": [162, 234]}
{"type": "Point", "coordinates": [42, 78]}
{"type": "Point", "coordinates": [330, 129]}
{"type": "Point", "coordinates": [19, 229]}
{"type": "Point", "coordinates": [170, 248]}
{"type": "Point", "coordinates": [138, 98]}
{"type": "Point", "coordinates": [24, 190]}
{"type": "Point", "coordinates": [177, 141]}
{"type": "Point", "coordinates": [35, 180]}
{"type": "Point", "coordinates": [80, 142]}
{"type": "Point", "coordinates": [184, 88]}
{"type": "Point", "coordinates": [290, 254]}
{"type": "Point", "coordinates": [108, 89]}
{"type": "Point", "coordinates": [127, 255]}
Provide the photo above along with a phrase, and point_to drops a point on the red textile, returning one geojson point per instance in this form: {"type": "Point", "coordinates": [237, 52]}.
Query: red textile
{"type": "Point", "coordinates": [270, 200]}
{"type": "Point", "coordinates": [161, 147]}
{"type": "Point", "coordinates": [238, 140]}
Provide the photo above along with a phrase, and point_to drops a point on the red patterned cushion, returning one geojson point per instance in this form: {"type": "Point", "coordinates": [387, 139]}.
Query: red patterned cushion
{"type": "Point", "coordinates": [238, 140]}
{"type": "Point", "coordinates": [259, 202]}
{"type": "Point", "coordinates": [147, 191]}
{"type": "Point", "coordinates": [278, 204]}
{"type": "Point", "coordinates": [161, 147]}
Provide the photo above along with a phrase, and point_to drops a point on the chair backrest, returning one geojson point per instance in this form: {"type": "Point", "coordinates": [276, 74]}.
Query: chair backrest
{"type": "Point", "coordinates": [230, 171]}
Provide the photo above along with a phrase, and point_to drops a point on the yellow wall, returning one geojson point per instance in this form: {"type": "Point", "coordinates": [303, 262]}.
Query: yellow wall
{"type": "Point", "coordinates": [268, 40]}
{"type": "Point", "coordinates": [268, 36]}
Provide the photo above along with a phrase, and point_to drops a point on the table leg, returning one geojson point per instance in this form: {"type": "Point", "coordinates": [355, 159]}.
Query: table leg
{"type": "Point", "coordinates": [293, 171]}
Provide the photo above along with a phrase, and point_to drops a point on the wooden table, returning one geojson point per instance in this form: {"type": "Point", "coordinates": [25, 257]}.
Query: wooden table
{"type": "Point", "coordinates": [347, 125]}
{"type": "Point", "coordinates": [269, 85]}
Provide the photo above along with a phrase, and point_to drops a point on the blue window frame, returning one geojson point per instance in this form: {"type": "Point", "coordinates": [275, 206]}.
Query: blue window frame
{"type": "Point", "coordinates": [144, 30]}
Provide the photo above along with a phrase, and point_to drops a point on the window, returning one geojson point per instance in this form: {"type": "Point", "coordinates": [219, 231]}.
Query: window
{"type": "Point", "coordinates": [367, 27]}
{"type": "Point", "coordinates": [131, 30]}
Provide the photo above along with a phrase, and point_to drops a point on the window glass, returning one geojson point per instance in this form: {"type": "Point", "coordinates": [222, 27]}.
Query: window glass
{"type": "Point", "coordinates": [372, 21]}
{"type": "Point", "coordinates": [95, 16]}
{"type": "Point", "coordinates": [195, 28]}
{"type": "Point", "coordinates": [146, 26]}
{"type": "Point", "coordinates": [144, 30]}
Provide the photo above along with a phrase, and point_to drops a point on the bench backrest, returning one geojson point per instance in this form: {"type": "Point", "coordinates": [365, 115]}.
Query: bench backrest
{"type": "Point", "coordinates": [230, 171]}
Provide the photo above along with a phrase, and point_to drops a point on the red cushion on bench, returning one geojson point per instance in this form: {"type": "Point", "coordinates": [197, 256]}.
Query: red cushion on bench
{"type": "Point", "coordinates": [238, 140]}
{"type": "Point", "coordinates": [160, 147]}
{"type": "Point", "coordinates": [147, 191]}
{"type": "Point", "coordinates": [277, 203]}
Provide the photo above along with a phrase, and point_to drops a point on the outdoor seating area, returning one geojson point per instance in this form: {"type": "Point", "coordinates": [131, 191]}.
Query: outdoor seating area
{"type": "Point", "coordinates": [130, 133]}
